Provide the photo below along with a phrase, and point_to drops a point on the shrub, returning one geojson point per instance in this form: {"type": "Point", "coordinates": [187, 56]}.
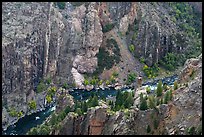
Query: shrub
{"type": "Point", "coordinates": [156, 123]}
{"type": "Point", "coordinates": [20, 114]}
{"type": "Point", "coordinates": [13, 112]}
{"type": "Point", "coordinates": [175, 85]}
{"type": "Point", "coordinates": [48, 80]}
{"type": "Point", "coordinates": [65, 86]}
{"type": "Point", "coordinates": [86, 82]}
{"type": "Point", "coordinates": [142, 60]}
{"type": "Point", "coordinates": [148, 129]}
{"type": "Point", "coordinates": [115, 74]}
{"type": "Point", "coordinates": [32, 105]}
{"type": "Point", "coordinates": [48, 98]}
{"type": "Point", "coordinates": [159, 89]}
{"type": "Point", "coordinates": [131, 77]}
{"type": "Point", "coordinates": [107, 27]}
{"type": "Point", "coordinates": [52, 91]}
{"type": "Point", "coordinates": [148, 90]}
{"type": "Point", "coordinates": [41, 87]}
{"type": "Point", "coordinates": [132, 48]}
{"type": "Point", "coordinates": [191, 130]}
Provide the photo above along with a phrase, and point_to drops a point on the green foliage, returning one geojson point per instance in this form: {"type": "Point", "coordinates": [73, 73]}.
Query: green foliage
{"type": "Point", "coordinates": [148, 90]}
{"type": "Point", "coordinates": [148, 129]}
{"type": "Point", "coordinates": [115, 74]}
{"type": "Point", "coordinates": [175, 85]}
{"type": "Point", "coordinates": [159, 89]}
{"type": "Point", "coordinates": [142, 60]}
{"type": "Point", "coordinates": [76, 4]}
{"type": "Point", "coordinates": [48, 98]}
{"type": "Point", "coordinates": [132, 48]}
{"type": "Point", "coordinates": [65, 86]}
{"type": "Point", "coordinates": [67, 109]}
{"type": "Point", "coordinates": [33, 131]}
{"type": "Point", "coordinates": [48, 80]}
{"type": "Point", "coordinates": [165, 87]}
{"type": "Point", "coordinates": [170, 94]}
{"type": "Point", "coordinates": [61, 5]}
{"type": "Point", "coordinates": [84, 107]}
{"type": "Point", "coordinates": [78, 111]}
{"type": "Point", "coordinates": [95, 101]}
{"type": "Point", "coordinates": [20, 114]}
{"type": "Point", "coordinates": [191, 130]}
{"type": "Point", "coordinates": [156, 123]}
{"type": "Point", "coordinates": [170, 61]}
{"type": "Point", "coordinates": [123, 100]}
{"type": "Point", "coordinates": [53, 119]}
{"type": "Point", "coordinates": [131, 77]}
{"type": "Point", "coordinates": [41, 87]}
{"type": "Point", "coordinates": [13, 112]}
{"type": "Point", "coordinates": [166, 97]}
{"type": "Point", "coordinates": [151, 101]}
{"type": "Point", "coordinates": [143, 103]}
{"type": "Point", "coordinates": [32, 105]}
{"type": "Point", "coordinates": [108, 27]}
{"type": "Point", "coordinates": [151, 72]}
{"type": "Point", "coordinates": [129, 101]}
{"type": "Point", "coordinates": [105, 60]}
{"type": "Point", "coordinates": [52, 91]}
{"type": "Point", "coordinates": [86, 82]}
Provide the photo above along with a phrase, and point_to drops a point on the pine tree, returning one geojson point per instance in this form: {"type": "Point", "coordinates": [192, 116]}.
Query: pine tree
{"type": "Point", "coordinates": [143, 103]}
{"type": "Point", "coordinates": [170, 95]}
{"type": "Point", "coordinates": [129, 101]}
{"type": "Point", "coordinates": [148, 129]}
{"type": "Point", "coordinates": [84, 107]}
{"type": "Point", "coordinates": [152, 102]}
{"type": "Point", "coordinates": [119, 99]}
{"type": "Point", "coordinates": [94, 101]}
{"type": "Point", "coordinates": [166, 97]}
{"type": "Point", "coordinates": [159, 89]}
{"type": "Point", "coordinates": [78, 111]}
{"type": "Point", "coordinates": [53, 119]}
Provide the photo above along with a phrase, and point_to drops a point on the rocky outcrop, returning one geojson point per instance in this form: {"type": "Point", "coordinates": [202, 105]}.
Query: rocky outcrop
{"type": "Point", "coordinates": [190, 68]}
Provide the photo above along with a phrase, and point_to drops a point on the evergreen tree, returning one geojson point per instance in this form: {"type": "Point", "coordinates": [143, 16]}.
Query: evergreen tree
{"type": "Point", "coordinates": [53, 119]}
{"type": "Point", "coordinates": [151, 101]}
{"type": "Point", "coordinates": [94, 101]}
{"type": "Point", "coordinates": [84, 107]}
{"type": "Point", "coordinates": [129, 101]}
{"type": "Point", "coordinates": [148, 129]}
{"type": "Point", "coordinates": [78, 111]}
{"type": "Point", "coordinates": [119, 98]}
{"type": "Point", "coordinates": [159, 89]}
{"type": "Point", "coordinates": [166, 97]}
{"type": "Point", "coordinates": [170, 95]}
{"type": "Point", "coordinates": [143, 103]}
{"type": "Point", "coordinates": [67, 109]}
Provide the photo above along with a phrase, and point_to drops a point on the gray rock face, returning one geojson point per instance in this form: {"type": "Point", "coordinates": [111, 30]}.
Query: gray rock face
{"type": "Point", "coordinates": [39, 42]}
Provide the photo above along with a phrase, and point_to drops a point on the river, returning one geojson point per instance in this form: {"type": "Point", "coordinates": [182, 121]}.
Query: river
{"type": "Point", "coordinates": [26, 123]}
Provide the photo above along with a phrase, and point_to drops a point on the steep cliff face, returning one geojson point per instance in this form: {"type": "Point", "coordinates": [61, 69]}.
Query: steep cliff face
{"type": "Point", "coordinates": [38, 42]}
